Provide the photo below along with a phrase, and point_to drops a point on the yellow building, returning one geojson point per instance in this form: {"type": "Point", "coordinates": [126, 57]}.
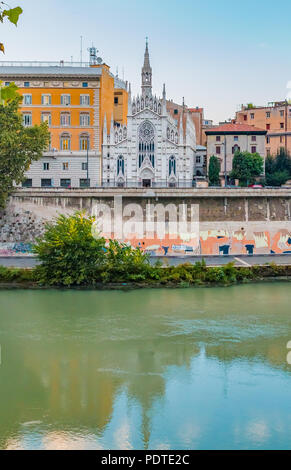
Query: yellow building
{"type": "Point", "coordinates": [73, 99]}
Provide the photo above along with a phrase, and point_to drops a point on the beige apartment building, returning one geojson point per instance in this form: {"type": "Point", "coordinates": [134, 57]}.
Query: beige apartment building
{"type": "Point", "coordinates": [275, 118]}
{"type": "Point", "coordinates": [224, 140]}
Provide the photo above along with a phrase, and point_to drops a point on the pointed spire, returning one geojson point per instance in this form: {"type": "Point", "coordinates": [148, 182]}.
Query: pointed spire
{"type": "Point", "coordinates": [105, 130]}
{"type": "Point", "coordinates": [129, 100]}
{"type": "Point", "coordinates": [181, 130]}
{"type": "Point", "coordinates": [112, 136]}
{"type": "Point", "coordinates": [146, 73]}
{"type": "Point", "coordinates": [164, 110]}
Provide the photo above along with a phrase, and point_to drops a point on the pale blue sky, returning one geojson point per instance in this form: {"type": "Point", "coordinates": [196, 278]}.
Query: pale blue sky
{"type": "Point", "coordinates": [218, 54]}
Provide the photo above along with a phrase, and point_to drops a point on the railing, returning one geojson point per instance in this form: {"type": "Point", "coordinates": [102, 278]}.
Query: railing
{"type": "Point", "coordinates": [144, 184]}
{"type": "Point", "coordinates": [36, 63]}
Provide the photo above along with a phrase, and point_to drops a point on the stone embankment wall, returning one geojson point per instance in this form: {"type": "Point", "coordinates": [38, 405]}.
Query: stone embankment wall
{"type": "Point", "coordinates": [204, 221]}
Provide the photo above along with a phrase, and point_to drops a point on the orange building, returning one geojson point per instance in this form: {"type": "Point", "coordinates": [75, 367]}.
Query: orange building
{"type": "Point", "coordinates": [275, 118]}
{"type": "Point", "coordinates": [197, 115]}
{"type": "Point", "coordinates": [73, 99]}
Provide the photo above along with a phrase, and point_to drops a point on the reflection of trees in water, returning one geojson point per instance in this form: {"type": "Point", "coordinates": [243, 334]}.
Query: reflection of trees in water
{"type": "Point", "coordinates": [70, 361]}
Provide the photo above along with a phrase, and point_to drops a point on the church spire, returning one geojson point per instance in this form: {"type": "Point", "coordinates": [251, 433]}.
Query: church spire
{"type": "Point", "coordinates": [146, 73]}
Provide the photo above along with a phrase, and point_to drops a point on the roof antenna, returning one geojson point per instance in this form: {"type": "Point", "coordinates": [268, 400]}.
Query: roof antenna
{"type": "Point", "coordinates": [81, 51]}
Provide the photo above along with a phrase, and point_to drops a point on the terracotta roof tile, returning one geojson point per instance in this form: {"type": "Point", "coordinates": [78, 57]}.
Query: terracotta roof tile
{"type": "Point", "coordinates": [234, 127]}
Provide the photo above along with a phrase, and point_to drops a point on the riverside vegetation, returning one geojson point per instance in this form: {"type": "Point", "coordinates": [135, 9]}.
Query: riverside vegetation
{"type": "Point", "coordinates": [71, 256]}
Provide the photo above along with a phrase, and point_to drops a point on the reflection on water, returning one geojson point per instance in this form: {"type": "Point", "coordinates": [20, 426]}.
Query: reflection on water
{"type": "Point", "coordinates": [170, 369]}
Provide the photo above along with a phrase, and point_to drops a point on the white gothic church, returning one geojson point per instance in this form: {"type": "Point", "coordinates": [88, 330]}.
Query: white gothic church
{"type": "Point", "coordinates": [152, 150]}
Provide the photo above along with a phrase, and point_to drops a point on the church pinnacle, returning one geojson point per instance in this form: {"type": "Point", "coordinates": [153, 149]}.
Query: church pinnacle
{"type": "Point", "coordinates": [146, 73]}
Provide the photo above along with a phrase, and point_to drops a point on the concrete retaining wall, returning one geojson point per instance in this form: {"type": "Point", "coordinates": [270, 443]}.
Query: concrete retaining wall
{"type": "Point", "coordinates": [230, 221]}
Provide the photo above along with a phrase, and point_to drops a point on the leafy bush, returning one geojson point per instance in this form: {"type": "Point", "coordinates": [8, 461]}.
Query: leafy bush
{"type": "Point", "coordinates": [71, 255]}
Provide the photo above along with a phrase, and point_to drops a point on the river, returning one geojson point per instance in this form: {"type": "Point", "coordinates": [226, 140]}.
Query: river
{"type": "Point", "coordinates": [196, 368]}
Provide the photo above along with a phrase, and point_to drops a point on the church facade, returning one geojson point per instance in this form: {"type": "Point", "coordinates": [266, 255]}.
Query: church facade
{"type": "Point", "coordinates": [152, 149]}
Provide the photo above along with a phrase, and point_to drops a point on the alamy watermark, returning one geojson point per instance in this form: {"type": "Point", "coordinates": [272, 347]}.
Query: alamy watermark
{"type": "Point", "coordinates": [153, 220]}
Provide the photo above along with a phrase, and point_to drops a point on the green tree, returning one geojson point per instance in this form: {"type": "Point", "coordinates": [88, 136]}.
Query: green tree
{"type": "Point", "coordinates": [19, 146]}
{"type": "Point", "coordinates": [278, 169]}
{"type": "Point", "coordinates": [246, 167]}
{"type": "Point", "coordinates": [12, 14]}
{"type": "Point", "coordinates": [214, 170]}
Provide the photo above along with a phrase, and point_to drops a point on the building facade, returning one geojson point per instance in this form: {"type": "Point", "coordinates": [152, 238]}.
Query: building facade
{"type": "Point", "coordinates": [224, 140]}
{"type": "Point", "coordinates": [275, 118]}
{"type": "Point", "coordinates": [153, 149]}
{"type": "Point", "coordinates": [73, 99]}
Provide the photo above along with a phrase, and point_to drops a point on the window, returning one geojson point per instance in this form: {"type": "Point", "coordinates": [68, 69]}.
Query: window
{"type": "Point", "coordinates": [254, 138]}
{"type": "Point", "coordinates": [84, 142]}
{"type": "Point", "coordinates": [26, 84]}
{"type": "Point", "coordinates": [282, 113]}
{"type": "Point", "coordinates": [46, 166]}
{"type": "Point", "coordinates": [175, 111]}
{"type": "Point", "coordinates": [252, 115]}
{"type": "Point", "coordinates": [120, 165]}
{"type": "Point", "coordinates": [66, 100]}
{"type": "Point", "coordinates": [198, 159]}
{"type": "Point", "coordinates": [218, 150]}
{"type": "Point", "coordinates": [84, 100]}
{"type": "Point", "coordinates": [172, 165]}
{"type": "Point", "coordinates": [245, 117]}
{"type": "Point", "coordinates": [46, 100]}
{"type": "Point", "coordinates": [27, 100]}
{"type": "Point", "coordinates": [46, 117]}
{"type": "Point", "coordinates": [235, 138]}
{"type": "Point", "coordinates": [46, 183]}
{"type": "Point", "coordinates": [268, 127]}
{"type": "Point", "coordinates": [65, 166]}
{"type": "Point", "coordinates": [268, 140]}
{"type": "Point", "coordinates": [84, 183]}
{"type": "Point", "coordinates": [85, 84]}
{"type": "Point", "coordinates": [84, 166]}
{"type": "Point", "coordinates": [147, 143]}
{"type": "Point", "coordinates": [65, 142]}
{"type": "Point", "coordinates": [268, 114]}
{"type": "Point", "coordinates": [27, 183]}
{"type": "Point", "coordinates": [218, 138]}
{"type": "Point", "coordinates": [116, 100]}
{"type": "Point", "coordinates": [7, 83]}
{"type": "Point", "coordinates": [65, 119]}
{"type": "Point", "coordinates": [236, 148]}
{"type": "Point", "coordinates": [27, 119]}
{"type": "Point", "coordinates": [281, 125]}
{"type": "Point", "coordinates": [85, 119]}
{"type": "Point", "coordinates": [253, 149]}
{"type": "Point", "coordinates": [65, 183]}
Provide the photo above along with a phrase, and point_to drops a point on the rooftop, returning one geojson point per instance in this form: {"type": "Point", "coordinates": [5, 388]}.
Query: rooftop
{"type": "Point", "coordinates": [235, 128]}
{"type": "Point", "coordinates": [55, 69]}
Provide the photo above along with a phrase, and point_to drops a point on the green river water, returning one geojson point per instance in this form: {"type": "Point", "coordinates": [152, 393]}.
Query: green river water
{"type": "Point", "coordinates": [146, 369]}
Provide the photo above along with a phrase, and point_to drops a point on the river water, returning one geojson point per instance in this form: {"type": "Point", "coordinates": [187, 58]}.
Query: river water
{"type": "Point", "coordinates": [201, 368]}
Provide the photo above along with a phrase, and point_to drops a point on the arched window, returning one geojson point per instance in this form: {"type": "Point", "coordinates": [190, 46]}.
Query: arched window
{"type": "Point", "coordinates": [147, 143]}
{"type": "Point", "coordinates": [172, 165]}
{"type": "Point", "coordinates": [84, 142]}
{"type": "Point", "coordinates": [236, 148]}
{"type": "Point", "coordinates": [120, 165]}
{"type": "Point", "coordinates": [65, 142]}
